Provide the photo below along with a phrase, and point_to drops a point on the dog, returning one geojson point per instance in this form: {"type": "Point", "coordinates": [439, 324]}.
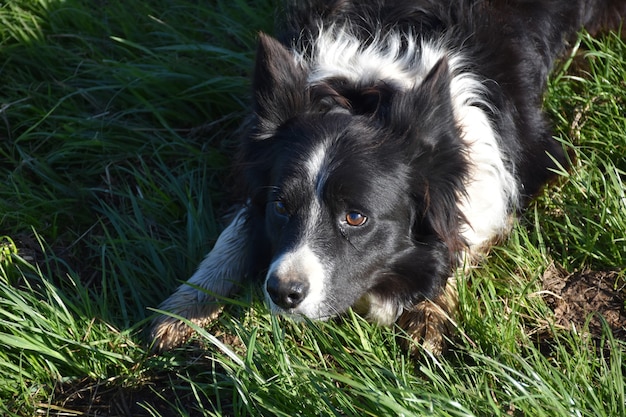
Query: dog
{"type": "Point", "coordinates": [391, 143]}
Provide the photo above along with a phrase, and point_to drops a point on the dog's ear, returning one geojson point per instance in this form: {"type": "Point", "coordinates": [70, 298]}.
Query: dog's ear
{"type": "Point", "coordinates": [425, 109]}
{"type": "Point", "coordinates": [423, 119]}
{"type": "Point", "coordinates": [278, 84]}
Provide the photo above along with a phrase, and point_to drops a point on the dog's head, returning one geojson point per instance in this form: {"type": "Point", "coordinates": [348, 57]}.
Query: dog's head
{"type": "Point", "coordinates": [357, 185]}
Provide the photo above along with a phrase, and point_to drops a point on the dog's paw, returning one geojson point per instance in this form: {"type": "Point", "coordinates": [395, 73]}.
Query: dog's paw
{"type": "Point", "coordinates": [169, 332]}
{"type": "Point", "coordinates": [429, 322]}
{"type": "Point", "coordinates": [427, 325]}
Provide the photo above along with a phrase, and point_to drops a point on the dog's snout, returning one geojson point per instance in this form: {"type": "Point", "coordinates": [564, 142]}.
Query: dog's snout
{"type": "Point", "coordinates": [286, 294]}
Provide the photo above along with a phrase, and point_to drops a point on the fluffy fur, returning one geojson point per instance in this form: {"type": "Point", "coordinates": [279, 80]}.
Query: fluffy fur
{"type": "Point", "coordinates": [391, 143]}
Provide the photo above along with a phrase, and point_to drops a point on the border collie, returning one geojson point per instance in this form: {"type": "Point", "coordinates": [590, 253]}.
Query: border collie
{"type": "Point", "coordinates": [391, 143]}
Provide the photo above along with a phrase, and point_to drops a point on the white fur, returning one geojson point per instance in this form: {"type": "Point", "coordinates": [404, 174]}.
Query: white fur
{"type": "Point", "coordinates": [383, 311]}
{"type": "Point", "coordinates": [337, 52]}
{"type": "Point", "coordinates": [491, 191]}
{"type": "Point", "coordinates": [316, 168]}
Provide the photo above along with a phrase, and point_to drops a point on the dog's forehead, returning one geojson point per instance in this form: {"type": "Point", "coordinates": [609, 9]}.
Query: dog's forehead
{"type": "Point", "coordinates": [346, 166]}
{"type": "Point", "coordinates": [334, 139]}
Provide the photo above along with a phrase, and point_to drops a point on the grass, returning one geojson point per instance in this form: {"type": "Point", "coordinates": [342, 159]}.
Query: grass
{"type": "Point", "coordinates": [118, 125]}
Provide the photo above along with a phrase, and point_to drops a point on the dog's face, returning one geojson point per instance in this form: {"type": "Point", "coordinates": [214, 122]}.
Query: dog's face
{"type": "Point", "coordinates": [337, 214]}
{"type": "Point", "coordinates": [356, 194]}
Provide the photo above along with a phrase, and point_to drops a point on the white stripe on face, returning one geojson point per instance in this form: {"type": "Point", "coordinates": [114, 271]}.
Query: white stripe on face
{"type": "Point", "coordinates": [317, 169]}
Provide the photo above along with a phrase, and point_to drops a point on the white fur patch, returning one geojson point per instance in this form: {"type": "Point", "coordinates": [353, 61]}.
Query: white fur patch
{"type": "Point", "coordinates": [381, 311]}
{"type": "Point", "coordinates": [316, 168]}
{"type": "Point", "coordinates": [339, 53]}
{"type": "Point", "coordinates": [492, 189]}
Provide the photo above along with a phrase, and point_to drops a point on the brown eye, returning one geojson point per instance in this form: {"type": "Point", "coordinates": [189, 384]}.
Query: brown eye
{"type": "Point", "coordinates": [279, 208]}
{"type": "Point", "coordinates": [354, 218]}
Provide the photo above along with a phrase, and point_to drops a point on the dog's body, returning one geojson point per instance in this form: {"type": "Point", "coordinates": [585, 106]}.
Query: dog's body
{"type": "Point", "coordinates": [391, 143]}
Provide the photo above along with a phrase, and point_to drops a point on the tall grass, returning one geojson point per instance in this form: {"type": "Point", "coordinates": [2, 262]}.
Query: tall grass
{"type": "Point", "coordinates": [118, 125]}
{"type": "Point", "coordinates": [589, 226]}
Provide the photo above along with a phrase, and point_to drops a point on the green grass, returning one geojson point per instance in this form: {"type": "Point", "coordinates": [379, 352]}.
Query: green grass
{"type": "Point", "coordinates": [118, 123]}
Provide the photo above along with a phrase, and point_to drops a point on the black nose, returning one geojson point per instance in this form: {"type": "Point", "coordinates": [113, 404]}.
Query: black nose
{"type": "Point", "coordinates": [287, 294]}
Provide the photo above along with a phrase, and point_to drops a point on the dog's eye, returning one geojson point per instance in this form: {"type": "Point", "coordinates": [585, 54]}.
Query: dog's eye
{"type": "Point", "coordinates": [354, 218]}
{"type": "Point", "coordinates": [280, 208]}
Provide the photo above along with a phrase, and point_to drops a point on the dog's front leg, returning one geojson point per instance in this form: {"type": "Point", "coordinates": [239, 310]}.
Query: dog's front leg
{"type": "Point", "coordinates": [198, 300]}
{"type": "Point", "coordinates": [430, 321]}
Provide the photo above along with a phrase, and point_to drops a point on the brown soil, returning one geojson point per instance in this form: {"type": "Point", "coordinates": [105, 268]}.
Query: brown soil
{"type": "Point", "coordinates": [596, 296]}
{"type": "Point", "coordinates": [89, 398]}
{"type": "Point", "coordinates": [161, 393]}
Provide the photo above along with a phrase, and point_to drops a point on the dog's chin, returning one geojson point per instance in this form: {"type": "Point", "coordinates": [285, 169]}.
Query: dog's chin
{"type": "Point", "coordinates": [301, 314]}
